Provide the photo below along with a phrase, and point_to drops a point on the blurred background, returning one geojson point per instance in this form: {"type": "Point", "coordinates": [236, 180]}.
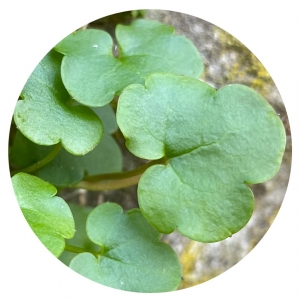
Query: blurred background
{"type": "Point", "coordinates": [226, 61]}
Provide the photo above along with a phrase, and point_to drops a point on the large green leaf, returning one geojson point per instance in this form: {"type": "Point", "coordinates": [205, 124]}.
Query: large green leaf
{"type": "Point", "coordinates": [66, 169]}
{"type": "Point", "coordinates": [48, 216]}
{"type": "Point", "coordinates": [214, 143]}
{"type": "Point", "coordinates": [133, 259]}
{"type": "Point", "coordinates": [46, 116]}
{"type": "Point", "coordinates": [80, 239]}
{"type": "Point", "coordinates": [93, 76]}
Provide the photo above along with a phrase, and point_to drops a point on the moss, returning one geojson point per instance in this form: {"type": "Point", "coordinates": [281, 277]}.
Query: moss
{"type": "Point", "coordinates": [241, 65]}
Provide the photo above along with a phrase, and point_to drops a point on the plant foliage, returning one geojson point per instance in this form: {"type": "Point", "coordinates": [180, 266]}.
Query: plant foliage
{"type": "Point", "coordinates": [66, 169]}
{"type": "Point", "coordinates": [132, 258]}
{"type": "Point", "coordinates": [144, 47]}
{"type": "Point", "coordinates": [46, 115]}
{"type": "Point", "coordinates": [215, 142]}
{"type": "Point", "coordinates": [49, 216]}
{"type": "Point", "coordinates": [204, 148]}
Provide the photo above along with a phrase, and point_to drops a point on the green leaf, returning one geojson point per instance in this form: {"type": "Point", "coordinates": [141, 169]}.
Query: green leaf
{"type": "Point", "coordinates": [66, 169]}
{"type": "Point", "coordinates": [80, 239]}
{"type": "Point", "coordinates": [46, 117]}
{"type": "Point", "coordinates": [145, 47]}
{"type": "Point", "coordinates": [24, 153]}
{"type": "Point", "coordinates": [214, 142]}
{"type": "Point", "coordinates": [108, 118]}
{"type": "Point", "coordinates": [133, 259]}
{"type": "Point", "coordinates": [48, 216]}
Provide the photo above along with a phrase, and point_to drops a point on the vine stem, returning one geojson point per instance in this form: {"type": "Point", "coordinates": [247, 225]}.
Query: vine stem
{"type": "Point", "coordinates": [114, 181]}
{"type": "Point", "coordinates": [41, 163]}
{"type": "Point", "coordinates": [76, 249]}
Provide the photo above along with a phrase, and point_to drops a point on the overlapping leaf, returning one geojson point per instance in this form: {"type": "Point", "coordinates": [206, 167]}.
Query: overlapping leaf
{"type": "Point", "coordinates": [108, 118]}
{"type": "Point", "coordinates": [46, 117]}
{"type": "Point", "coordinates": [80, 239]}
{"type": "Point", "coordinates": [144, 47]}
{"type": "Point", "coordinates": [66, 169]}
{"type": "Point", "coordinates": [214, 143]}
{"type": "Point", "coordinates": [133, 259]}
{"type": "Point", "coordinates": [48, 216]}
{"type": "Point", "coordinates": [24, 153]}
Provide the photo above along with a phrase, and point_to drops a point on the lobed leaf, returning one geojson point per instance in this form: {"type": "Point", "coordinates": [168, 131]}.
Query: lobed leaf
{"type": "Point", "coordinates": [144, 47]}
{"type": "Point", "coordinates": [48, 216]}
{"type": "Point", "coordinates": [46, 117]}
{"type": "Point", "coordinates": [214, 142]}
{"type": "Point", "coordinates": [133, 259]}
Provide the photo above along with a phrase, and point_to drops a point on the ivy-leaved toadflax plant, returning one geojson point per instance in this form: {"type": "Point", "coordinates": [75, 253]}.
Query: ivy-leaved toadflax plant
{"type": "Point", "coordinates": [202, 147]}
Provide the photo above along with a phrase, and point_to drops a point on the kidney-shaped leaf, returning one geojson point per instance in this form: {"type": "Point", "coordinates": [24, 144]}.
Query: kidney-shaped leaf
{"type": "Point", "coordinates": [133, 259]}
{"type": "Point", "coordinates": [214, 143]}
{"type": "Point", "coordinates": [46, 118]}
{"type": "Point", "coordinates": [48, 216]}
{"type": "Point", "coordinates": [93, 76]}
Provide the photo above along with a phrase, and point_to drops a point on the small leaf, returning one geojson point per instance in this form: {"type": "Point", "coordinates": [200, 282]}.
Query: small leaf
{"type": "Point", "coordinates": [80, 239]}
{"type": "Point", "coordinates": [46, 117]}
{"type": "Point", "coordinates": [133, 259]}
{"type": "Point", "coordinates": [145, 47]}
{"type": "Point", "coordinates": [48, 216]}
{"type": "Point", "coordinates": [214, 143]}
{"type": "Point", "coordinates": [66, 169]}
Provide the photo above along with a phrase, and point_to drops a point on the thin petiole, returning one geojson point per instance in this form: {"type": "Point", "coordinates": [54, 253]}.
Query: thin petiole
{"type": "Point", "coordinates": [114, 181]}
{"type": "Point", "coordinates": [41, 163]}
{"type": "Point", "coordinates": [76, 249]}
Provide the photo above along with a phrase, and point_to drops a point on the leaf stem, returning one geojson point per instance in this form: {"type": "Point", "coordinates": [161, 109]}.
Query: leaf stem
{"type": "Point", "coordinates": [75, 249]}
{"type": "Point", "coordinates": [114, 181]}
{"type": "Point", "coordinates": [41, 163]}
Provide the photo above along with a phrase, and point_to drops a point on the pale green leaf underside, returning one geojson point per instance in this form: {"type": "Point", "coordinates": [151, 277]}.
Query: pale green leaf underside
{"type": "Point", "coordinates": [66, 169]}
{"type": "Point", "coordinates": [93, 76]}
{"type": "Point", "coordinates": [46, 117]}
{"type": "Point", "coordinates": [134, 259]}
{"type": "Point", "coordinates": [48, 216]}
{"type": "Point", "coordinates": [215, 142]}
